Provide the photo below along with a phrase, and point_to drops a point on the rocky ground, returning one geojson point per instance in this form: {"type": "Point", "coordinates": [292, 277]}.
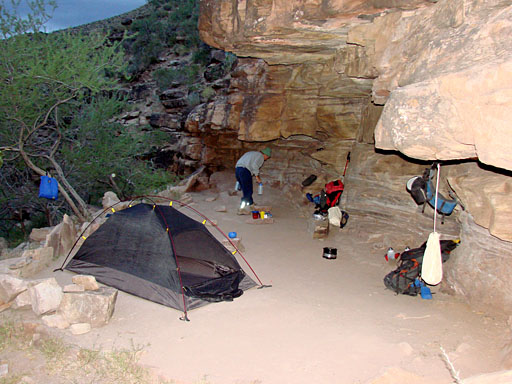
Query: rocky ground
{"type": "Point", "coordinates": [322, 321]}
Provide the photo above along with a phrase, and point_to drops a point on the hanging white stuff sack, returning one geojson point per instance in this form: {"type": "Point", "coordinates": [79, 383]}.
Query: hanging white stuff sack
{"type": "Point", "coordinates": [432, 266]}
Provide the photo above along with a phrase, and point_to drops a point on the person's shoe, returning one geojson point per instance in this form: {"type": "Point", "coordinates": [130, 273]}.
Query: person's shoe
{"type": "Point", "coordinates": [244, 211]}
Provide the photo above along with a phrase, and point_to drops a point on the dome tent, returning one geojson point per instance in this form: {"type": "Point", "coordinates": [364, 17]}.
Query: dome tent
{"type": "Point", "coordinates": [158, 253]}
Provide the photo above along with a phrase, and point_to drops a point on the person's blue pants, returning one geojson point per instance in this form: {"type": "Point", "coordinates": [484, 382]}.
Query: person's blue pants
{"type": "Point", "coordinates": [244, 177]}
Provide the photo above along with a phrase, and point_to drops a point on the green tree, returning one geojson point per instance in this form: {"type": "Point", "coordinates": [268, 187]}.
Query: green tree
{"type": "Point", "coordinates": [43, 79]}
{"type": "Point", "coordinates": [99, 152]}
{"type": "Point", "coordinates": [39, 12]}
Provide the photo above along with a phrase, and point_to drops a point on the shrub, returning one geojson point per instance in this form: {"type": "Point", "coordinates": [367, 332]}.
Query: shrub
{"type": "Point", "coordinates": [229, 62]}
{"type": "Point", "coordinates": [207, 93]}
{"type": "Point", "coordinates": [151, 35]}
{"type": "Point", "coordinates": [165, 77]}
{"type": "Point", "coordinates": [202, 55]}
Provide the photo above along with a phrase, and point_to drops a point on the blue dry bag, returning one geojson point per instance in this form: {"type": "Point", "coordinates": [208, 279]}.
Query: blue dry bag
{"type": "Point", "coordinates": [49, 188]}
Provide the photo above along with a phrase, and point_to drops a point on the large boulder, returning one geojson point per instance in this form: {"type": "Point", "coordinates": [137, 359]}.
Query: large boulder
{"type": "Point", "coordinates": [486, 194]}
{"type": "Point", "coordinates": [39, 234]}
{"type": "Point", "coordinates": [45, 296]}
{"type": "Point", "coordinates": [93, 307]}
{"type": "Point", "coordinates": [444, 74]}
{"type": "Point", "coordinates": [62, 237]}
{"type": "Point", "coordinates": [479, 268]}
{"type": "Point", "coordinates": [10, 287]}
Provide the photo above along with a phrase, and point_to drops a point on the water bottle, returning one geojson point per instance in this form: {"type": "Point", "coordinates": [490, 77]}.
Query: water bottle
{"type": "Point", "coordinates": [390, 255]}
{"type": "Point", "coordinates": [237, 186]}
{"type": "Point", "coordinates": [260, 189]}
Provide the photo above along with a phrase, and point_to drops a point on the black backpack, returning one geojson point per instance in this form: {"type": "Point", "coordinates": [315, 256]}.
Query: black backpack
{"type": "Point", "coordinates": [402, 279]}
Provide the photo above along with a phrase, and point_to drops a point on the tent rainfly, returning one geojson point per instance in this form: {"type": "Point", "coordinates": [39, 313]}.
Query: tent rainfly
{"type": "Point", "coordinates": [160, 254]}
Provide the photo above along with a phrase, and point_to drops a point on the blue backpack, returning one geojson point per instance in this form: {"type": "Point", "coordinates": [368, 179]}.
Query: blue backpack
{"type": "Point", "coordinates": [423, 191]}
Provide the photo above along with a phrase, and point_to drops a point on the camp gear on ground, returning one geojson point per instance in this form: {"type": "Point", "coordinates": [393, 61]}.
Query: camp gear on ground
{"type": "Point", "coordinates": [425, 293]}
{"type": "Point", "coordinates": [344, 219]}
{"type": "Point", "coordinates": [313, 199]}
{"type": "Point", "coordinates": [328, 197]}
{"type": "Point", "coordinates": [401, 280]}
{"type": "Point", "coordinates": [232, 235]}
{"type": "Point", "coordinates": [49, 188]}
{"type": "Point", "coordinates": [432, 268]}
{"type": "Point", "coordinates": [337, 217]}
{"type": "Point", "coordinates": [318, 215]}
{"type": "Point", "coordinates": [309, 180]}
{"type": "Point", "coordinates": [160, 254]}
{"type": "Point", "coordinates": [391, 254]}
{"type": "Point", "coordinates": [333, 191]}
{"type": "Point", "coordinates": [346, 164]}
{"type": "Point", "coordinates": [334, 215]}
{"type": "Point", "coordinates": [330, 253]}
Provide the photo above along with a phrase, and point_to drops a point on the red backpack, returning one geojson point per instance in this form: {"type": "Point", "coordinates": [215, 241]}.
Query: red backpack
{"type": "Point", "coordinates": [331, 195]}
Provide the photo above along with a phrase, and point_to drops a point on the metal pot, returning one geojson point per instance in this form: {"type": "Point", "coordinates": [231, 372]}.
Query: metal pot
{"type": "Point", "coordinates": [330, 253]}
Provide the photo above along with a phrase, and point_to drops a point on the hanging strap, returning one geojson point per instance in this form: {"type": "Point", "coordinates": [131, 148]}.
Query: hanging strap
{"type": "Point", "coordinates": [437, 192]}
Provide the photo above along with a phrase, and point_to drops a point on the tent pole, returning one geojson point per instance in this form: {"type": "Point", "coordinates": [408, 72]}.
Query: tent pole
{"type": "Point", "coordinates": [218, 229]}
{"type": "Point", "coordinates": [178, 269]}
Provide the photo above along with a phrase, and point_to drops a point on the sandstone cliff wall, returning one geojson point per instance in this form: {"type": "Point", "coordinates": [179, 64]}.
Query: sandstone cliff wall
{"type": "Point", "coordinates": [318, 75]}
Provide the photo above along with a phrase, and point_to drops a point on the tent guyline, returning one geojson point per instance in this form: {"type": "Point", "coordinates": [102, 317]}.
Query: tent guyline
{"type": "Point", "coordinates": [156, 252]}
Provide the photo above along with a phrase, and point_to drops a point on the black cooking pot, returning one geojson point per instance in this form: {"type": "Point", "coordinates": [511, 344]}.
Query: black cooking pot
{"type": "Point", "coordinates": [330, 253]}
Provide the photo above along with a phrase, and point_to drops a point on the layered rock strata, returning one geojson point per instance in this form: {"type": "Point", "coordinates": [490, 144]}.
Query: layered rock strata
{"type": "Point", "coordinates": [438, 69]}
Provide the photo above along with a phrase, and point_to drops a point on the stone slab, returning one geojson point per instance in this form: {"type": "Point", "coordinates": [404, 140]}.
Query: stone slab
{"type": "Point", "coordinates": [270, 220]}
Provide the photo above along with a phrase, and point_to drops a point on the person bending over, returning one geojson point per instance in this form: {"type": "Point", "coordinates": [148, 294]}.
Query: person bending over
{"type": "Point", "coordinates": [246, 167]}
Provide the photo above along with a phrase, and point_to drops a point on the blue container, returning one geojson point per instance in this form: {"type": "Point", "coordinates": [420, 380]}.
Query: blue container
{"type": "Point", "coordinates": [425, 293]}
{"type": "Point", "coordinates": [232, 235]}
{"type": "Point", "coordinates": [49, 188]}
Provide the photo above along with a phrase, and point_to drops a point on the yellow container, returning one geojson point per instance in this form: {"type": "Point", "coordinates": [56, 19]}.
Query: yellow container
{"type": "Point", "coordinates": [262, 214]}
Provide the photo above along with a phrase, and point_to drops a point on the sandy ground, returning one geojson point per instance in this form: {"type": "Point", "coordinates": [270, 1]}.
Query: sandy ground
{"type": "Point", "coordinates": [322, 321]}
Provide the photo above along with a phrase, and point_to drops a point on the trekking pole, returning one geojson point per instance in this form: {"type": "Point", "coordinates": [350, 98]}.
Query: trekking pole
{"type": "Point", "coordinates": [345, 170]}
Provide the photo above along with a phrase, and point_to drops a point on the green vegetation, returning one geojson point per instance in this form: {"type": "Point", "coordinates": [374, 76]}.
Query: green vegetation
{"type": "Point", "coordinates": [98, 148]}
{"type": "Point", "coordinates": [44, 80]}
{"type": "Point", "coordinates": [172, 25]}
{"type": "Point", "coordinates": [58, 98]}
{"type": "Point", "coordinates": [39, 13]}
{"type": "Point", "coordinates": [229, 62]}
{"type": "Point", "coordinates": [165, 77]}
{"type": "Point", "coordinates": [62, 362]}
